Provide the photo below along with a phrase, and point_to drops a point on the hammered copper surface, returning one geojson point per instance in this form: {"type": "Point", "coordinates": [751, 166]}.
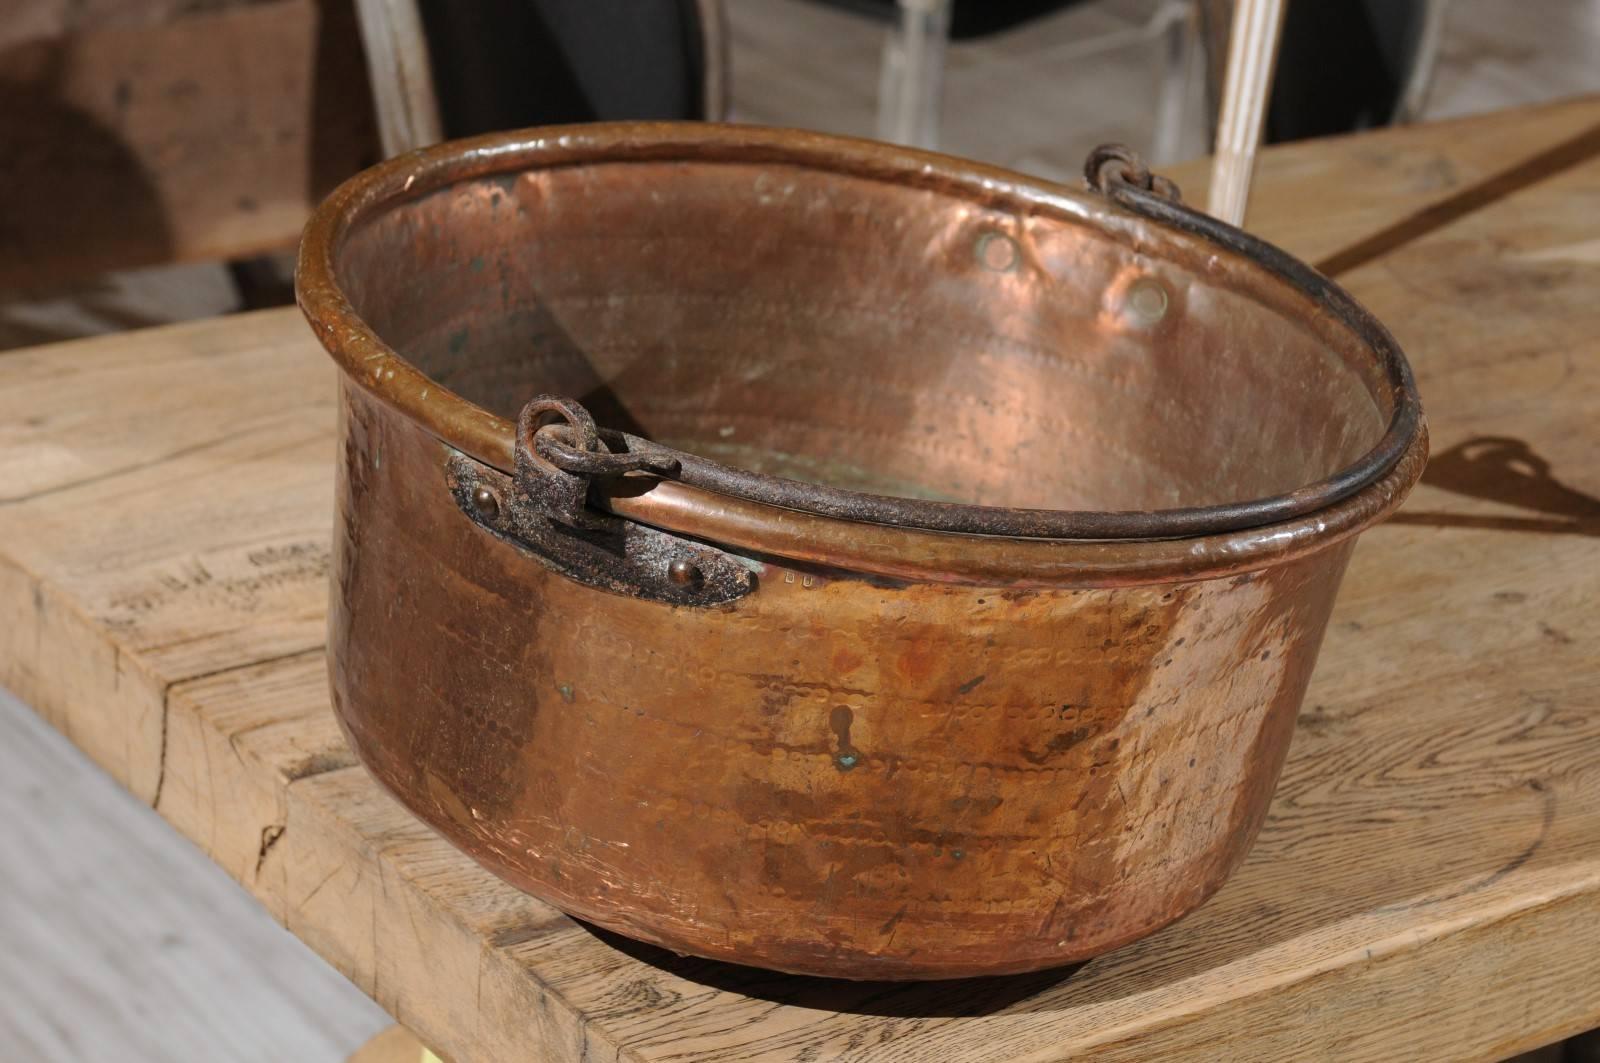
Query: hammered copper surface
{"type": "Point", "coordinates": [905, 754]}
{"type": "Point", "coordinates": [837, 328]}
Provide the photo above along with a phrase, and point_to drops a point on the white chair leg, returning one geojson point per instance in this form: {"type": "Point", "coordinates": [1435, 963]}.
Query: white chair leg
{"type": "Point", "coordinates": [911, 83]}
{"type": "Point", "coordinates": [400, 73]}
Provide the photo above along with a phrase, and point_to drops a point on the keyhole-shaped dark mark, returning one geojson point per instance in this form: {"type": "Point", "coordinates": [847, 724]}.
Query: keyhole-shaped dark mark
{"type": "Point", "coordinates": [840, 720]}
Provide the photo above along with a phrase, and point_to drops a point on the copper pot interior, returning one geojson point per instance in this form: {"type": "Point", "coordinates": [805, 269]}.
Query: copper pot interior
{"type": "Point", "coordinates": [862, 333]}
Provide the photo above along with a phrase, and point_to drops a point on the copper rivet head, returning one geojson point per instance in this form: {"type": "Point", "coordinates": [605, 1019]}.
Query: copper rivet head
{"type": "Point", "coordinates": [1146, 302]}
{"type": "Point", "coordinates": [684, 574]}
{"type": "Point", "coordinates": [486, 502]}
{"type": "Point", "coordinates": [997, 252]}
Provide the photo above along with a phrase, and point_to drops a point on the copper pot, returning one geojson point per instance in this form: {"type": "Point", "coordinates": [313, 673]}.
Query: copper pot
{"type": "Point", "coordinates": [940, 590]}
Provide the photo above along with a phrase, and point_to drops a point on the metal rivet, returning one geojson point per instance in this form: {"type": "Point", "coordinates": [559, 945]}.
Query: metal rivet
{"type": "Point", "coordinates": [685, 574]}
{"type": "Point", "coordinates": [1146, 302]}
{"type": "Point", "coordinates": [486, 502]}
{"type": "Point", "coordinates": [997, 251]}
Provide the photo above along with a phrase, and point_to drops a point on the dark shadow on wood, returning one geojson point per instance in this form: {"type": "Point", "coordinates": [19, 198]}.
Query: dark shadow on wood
{"type": "Point", "coordinates": [76, 198]}
{"type": "Point", "coordinates": [954, 998]}
{"type": "Point", "coordinates": [1546, 164]}
{"type": "Point", "coordinates": [1507, 471]}
{"type": "Point", "coordinates": [1512, 524]}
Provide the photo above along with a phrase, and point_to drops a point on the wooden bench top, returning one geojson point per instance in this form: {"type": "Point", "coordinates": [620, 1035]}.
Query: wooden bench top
{"type": "Point", "coordinates": [1426, 886]}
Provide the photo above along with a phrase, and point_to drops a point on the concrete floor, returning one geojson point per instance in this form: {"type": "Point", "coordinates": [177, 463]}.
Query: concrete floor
{"type": "Point", "coordinates": [120, 941]}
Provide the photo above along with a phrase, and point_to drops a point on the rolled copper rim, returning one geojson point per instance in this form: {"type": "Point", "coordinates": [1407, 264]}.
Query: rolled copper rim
{"type": "Point", "coordinates": [878, 535]}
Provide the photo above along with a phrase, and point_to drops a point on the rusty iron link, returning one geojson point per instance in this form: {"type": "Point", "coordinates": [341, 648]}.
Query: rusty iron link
{"type": "Point", "coordinates": [576, 447]}
{"type": "Point", "coordinates": [1113, 165]}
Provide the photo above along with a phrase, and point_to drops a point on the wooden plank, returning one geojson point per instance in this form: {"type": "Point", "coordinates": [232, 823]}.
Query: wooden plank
{"type": "Point", "coordinates": [31, 20]}
{"type": "Point", "coordinates": [1323, 197]}
{"type": "Point", "coordinates": [168, 137]}
{"type": "Point", "coordinates": [1434, 848]}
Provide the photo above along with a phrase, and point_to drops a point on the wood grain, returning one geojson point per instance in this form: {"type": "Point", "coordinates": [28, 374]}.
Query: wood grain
{"type": "Point", "coordinates": [1323, 198]}
{"type": "Point", "coordinates": [1433, 850]}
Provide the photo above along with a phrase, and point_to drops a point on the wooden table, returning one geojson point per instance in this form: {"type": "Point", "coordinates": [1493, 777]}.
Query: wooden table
{"type": "Point", "coordinates": [1426, 887]}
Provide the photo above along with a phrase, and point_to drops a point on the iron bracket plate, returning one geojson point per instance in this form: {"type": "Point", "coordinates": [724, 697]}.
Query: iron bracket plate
{"type": "Point", "coordinates": [600, 550]}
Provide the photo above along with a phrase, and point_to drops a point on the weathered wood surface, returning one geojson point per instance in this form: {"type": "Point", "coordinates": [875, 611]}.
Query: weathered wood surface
{"type": "Point", "coordinates": [1427, 885]}
{"type": "Point", "coordinates": [157, 131]}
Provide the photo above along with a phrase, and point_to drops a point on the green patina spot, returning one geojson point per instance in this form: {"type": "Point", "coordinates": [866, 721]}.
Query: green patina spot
{"type": "Point", "coordinates": [846, 760]}
{"type": "Point", "coordinates": [458, 341]}
{"type": "Point", "coordinates": [567, 694]}
{"type": "Point", "coordinates": [476, 265]}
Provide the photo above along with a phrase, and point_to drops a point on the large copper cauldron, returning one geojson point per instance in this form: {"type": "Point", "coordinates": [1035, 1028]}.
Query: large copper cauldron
{"type": "Point", "coordinates": [954, 617]}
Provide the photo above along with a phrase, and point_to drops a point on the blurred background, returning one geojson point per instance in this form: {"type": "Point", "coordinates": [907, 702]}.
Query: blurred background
{"type": "Point", "coordinates": [158, 157]}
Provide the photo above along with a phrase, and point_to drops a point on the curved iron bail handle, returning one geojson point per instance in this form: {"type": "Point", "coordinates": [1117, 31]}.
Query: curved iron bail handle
{"type": "Point", "coordinates": [1116, 172]}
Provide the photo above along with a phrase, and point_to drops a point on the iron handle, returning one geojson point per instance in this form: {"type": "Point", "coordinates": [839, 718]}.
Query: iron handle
{"type": "Point", "coordinates": [543, 509]}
